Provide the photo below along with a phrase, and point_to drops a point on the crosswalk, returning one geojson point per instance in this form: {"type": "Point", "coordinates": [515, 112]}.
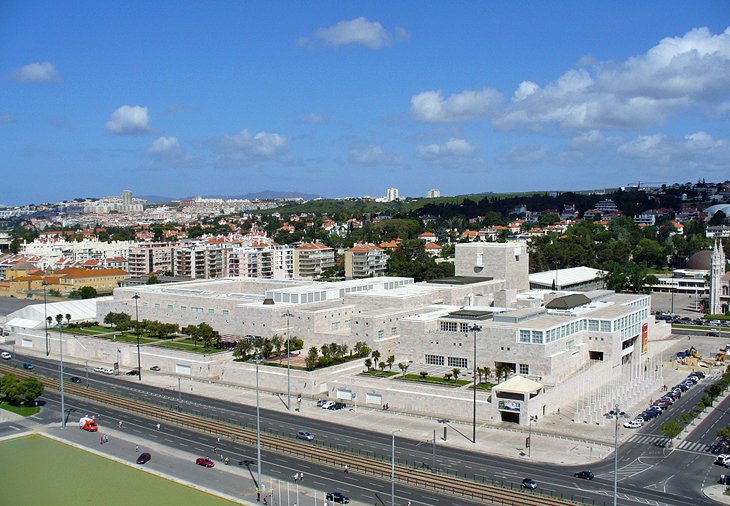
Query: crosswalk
{"type": "Point", "coordinates": [661, 441]}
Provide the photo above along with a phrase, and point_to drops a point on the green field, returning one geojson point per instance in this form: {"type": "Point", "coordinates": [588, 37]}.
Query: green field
{"type": "Point", "coordinates": [39, 471]}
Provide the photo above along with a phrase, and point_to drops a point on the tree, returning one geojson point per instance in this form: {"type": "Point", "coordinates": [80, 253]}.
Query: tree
{"type": "Point", "coordinates": [403, 368]}
{"type": "Point", "coordinates": [382, 366]}
{"type": "Point", "coordinates": [277, 342]}
{"type": "Point", "coordinates": [312, 358]}
{"type": "Point", "coordinates": [14, 247]}
{"type": "Point", "coordinates": [456, 372]}
{"type": "Point", "coordinates": [376, 356]}
{"type": "Point", "coordinates": [87, 292]}
{"type": "Point", "coordinates": [368, 363]}
{"type": "Point", "coordinates": [16, 390]}
{"type": "Point", "coordinates": [152, 280]}
{"type": "Point", "coordinates": [390, 361]}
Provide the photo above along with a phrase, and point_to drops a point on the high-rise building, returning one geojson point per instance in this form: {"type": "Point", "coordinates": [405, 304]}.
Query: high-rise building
{"type": "Point", "coordinates": [365, 261]}
{"type": "Point", "coordinates": [392, 194]}
{"type": "Point", "coordinates": [310, 260]}
{"type": "Point", "coordinates": [433, 193]}
{"type": "Point", "coordinates": [716, 272]}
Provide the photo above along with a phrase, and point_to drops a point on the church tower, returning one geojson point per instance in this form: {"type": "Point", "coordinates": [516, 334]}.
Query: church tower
{"type": "Point", "coordinates": [717, 267]}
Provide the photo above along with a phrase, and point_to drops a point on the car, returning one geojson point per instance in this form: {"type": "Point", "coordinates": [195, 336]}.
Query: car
{"type": "Point", "coordinates": [76, 379]}
{"type": "Point", "coordinates": [155, 368]}
{"type": "Point", "coordinates": [337, 497]}
{"type": "Point", "coordinates": [337, 405]}
{"type": "Point", "coordinates": [133, 372]}
{"type": "Point", "coordinates": [28, 365]}
{"type": "Point", "coordinates": [205, 462]}
{"type": "Point", "coordinates": [327, 404]}
{"type": "Point", "coordinates": [681, 354]}
{"type": "Point", "coordinates": [144, 458]}
{"type": "Point", "coordinates": [722, 459]}
{"type": "Point", "coordinates": [712, 334]}
{"type": "Point", "coordinates": [585, 475]}
{"type": "Point", "coordinates": [529, 483]}
{"type": "Point", "coordinates": [633, 424]}
{"type": "Point", "coordinates": [99, 369]}
{"type": "Point", "coordinates": [5, 355]}
{"type": "Point", "coordinates": [107, 370]}
{"type": "Point", "coordinates": [703, 364]}
{"type": "Point", "coordinates": [699, 374]}
{"type": "Point", "coordinates": [306, 435]}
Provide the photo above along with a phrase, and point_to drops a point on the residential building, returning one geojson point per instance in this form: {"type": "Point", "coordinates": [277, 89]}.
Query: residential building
{"type": "Point", "coordinates": [311, 260]}
{"type": "Point", "coordinates": [365, 261]}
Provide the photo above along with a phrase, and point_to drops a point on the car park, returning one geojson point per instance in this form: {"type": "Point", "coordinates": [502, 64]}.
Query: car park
{"type": "Point", "coordinates": [529, 483]}
{"type": "Point", "coordinates": [327, 404]}
{"type": "Point", "coordinates": [306, 435]}
{"type": "Point", "coordinates": [204, 461]}
{"type": "Point", "coordinates": [585, 475]}
{"type": "Point", "coordinates": [28, 365]}
{"type": "Point", "coordinates": [144, 458]}
{"type": "Point", "coordinates": [5, 355]}
{"type": "Point", "coordinates": [75, 379]}
{"type": "Point", "coordinates": [337, 497]}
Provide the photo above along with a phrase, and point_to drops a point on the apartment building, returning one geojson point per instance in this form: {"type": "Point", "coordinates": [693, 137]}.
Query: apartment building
{"type": "Point", "coordinates": [365, 261]}
{"type": "Point", "coordinates": [147, 258]}
{"type": "Point", "coordinates": [201, 261]}
{"type": "Point", "coordinates": [260, 260]}
{"type": "Point", "coordinates": [310, 260]}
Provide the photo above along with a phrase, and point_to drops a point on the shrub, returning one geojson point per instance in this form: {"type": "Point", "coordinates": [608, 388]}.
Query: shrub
{"type": "Point", "coordinates": [423, 374]}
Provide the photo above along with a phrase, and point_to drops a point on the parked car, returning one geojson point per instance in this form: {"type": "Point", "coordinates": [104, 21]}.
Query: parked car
{"type": "Point", "coordinates": [306, 435]}
{"type": "Point", "coordinates": [699, 374]}
{"type": "Point", "coordinates": [144, 458]}
{"type": "Point", "coordinates": [99, 369]}
{"type": "Point", "coordinates": [529, 483]}
{"type": "Point", "coordinates": [327, 404]}
{"type": "Point", "coordinates": [5, 355]}
{"type": "Point", "coordinates": [586, 475]}
{"type": "Point", "coordinates": [712, 334]}
{"type": "Point", "coordinates": [107, 370]}
{"type": "Point", "coordinates": [337, 405]}
{"type": "Point", "coordinates": [205, 462]}
{"type": "Point", "coordinates": [133, 372]}
{"type": "Point", "coordinates": [722, 459]}
{"type": "Point", "coordinates": [75, 379]}
{"type": "Point", "coordinates": [155, 368]}
{"type": "Point", "coordinates": [633, 424]}
{"type": "Point", "coordinates": [28, 365]}
{"type": "Point", "coordinates": [337, 497]}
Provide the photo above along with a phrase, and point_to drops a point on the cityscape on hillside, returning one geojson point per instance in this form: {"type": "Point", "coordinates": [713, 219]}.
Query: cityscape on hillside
{"type": "Point", "coordinates": [393, 253]}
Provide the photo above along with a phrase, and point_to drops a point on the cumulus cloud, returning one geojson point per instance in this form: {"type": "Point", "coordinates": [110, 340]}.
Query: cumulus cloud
{"type": "Point", "coordinates": [451, 149]}
{"type": "Point", "coordinates": [244, 148]}
{"type": "Point", "coordinates": [129, 120]}
{"type": "Point", "coordinates": [370, 34]}
{"type": "Point", "coordinates": [167, 152]}
{"type": "Point", "coordinates": [592, 140]}
{"type": "Point", "coordinates": [695, 151]}
{"type": "Point", "coordinates": [524, 155]}
{"type": "Point", "coordinates": [676, 74]}
{"type": "Point", "coordinates": [374, 155]}
{"type": "Point", "coordinates": [431, 106]}
{"type": "Point", "coordinates": [39, 72]}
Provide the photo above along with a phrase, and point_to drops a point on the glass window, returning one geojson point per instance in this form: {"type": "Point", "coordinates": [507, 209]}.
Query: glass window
{"type": "Point", "coordinates": [524, 369]}
{"type": "Point", "coordinates": [381, 334]}
{"type": "Point", "coordinates": [457, 362]}
{"type": "Point", "coordinates": [434, 360]}
{"type": "Point", "coordinates": [537, 336]}
{"type": "Point", "coordinates": [524, 336]}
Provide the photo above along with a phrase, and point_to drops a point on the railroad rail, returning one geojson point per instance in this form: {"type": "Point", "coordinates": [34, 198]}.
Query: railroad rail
{"type": "Point", "coordinates": [335, 458]}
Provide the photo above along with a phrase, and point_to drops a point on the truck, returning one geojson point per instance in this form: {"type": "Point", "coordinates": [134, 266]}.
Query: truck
{"type": "Point", "coordinates": [89, 424]}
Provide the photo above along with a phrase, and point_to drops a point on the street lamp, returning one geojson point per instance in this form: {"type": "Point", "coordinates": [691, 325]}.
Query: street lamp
{"type": "Point", "coordinates": [258, 419]}
{"type": "Point", "coordinates": [59, 324]}
{"type": "Point", "coordinates": [616, 414]}
{"type": "Point", "coordinates": [533, 418]}
{"type": "Point", "coordinates": [392, 469]}
{"type": "Point", "coordinates": [136, 317]}
{"type": "Point", "coordinates": [288, 362]}
{"type": "Point", "coordinates": [45, 316]}
{"type": "Point", "coordinates": [475, 328]}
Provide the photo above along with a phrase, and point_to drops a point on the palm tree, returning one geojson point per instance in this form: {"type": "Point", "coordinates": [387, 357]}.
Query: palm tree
{"type": "Point", "coordinates": [403, 367]}
{"type": "Point", "coordinates": [390, 361]}
{"type": "Point", "coordinates": [487, 373]}
{"type": "Point", "coordinates": [456, 373]}
{"type": "Point", "coordinates": [368, 363]}
{"type": "Point", "coordinates": [376, 356]}
{"type": "Point", "coordinates": [382, 366]}
{"type": "Point", "coordinates": [277, 342]}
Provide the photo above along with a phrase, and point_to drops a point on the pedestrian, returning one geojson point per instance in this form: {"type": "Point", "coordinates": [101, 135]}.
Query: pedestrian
{"type": "Point", "coordinates": [158, 427]}
{"type": "Point", "coordinates": [301, 476]}
{"type": "Point", "coordinates": [265, 502]}
{"type": "Point", "coordinates": [106, 438]}
{"type": "Point", "coordinates": [218, 441]}
{"type": "Point", "coordinates": [258, 495]}
{"type": "Point", "coordinates": [296, 476]}
{"type": "Point", "coordinates": [215, 449]}
{"type": "Point", "coordinates": [387, 407]}
{"type": "Point", "coordinates": [558, 411]}
{"type": "Point", "coordinates": [226, 460]}
{"type": "Point", "coordinates": [101, 440]}
{"type": "Point", "coordinates": [347, 469]}
{"type": "Point", "coordinates": [120, 424]}
{"type": "Point", "coordinates": [221, 457]}
{"type": "Point", "coordinates": [136, 448]}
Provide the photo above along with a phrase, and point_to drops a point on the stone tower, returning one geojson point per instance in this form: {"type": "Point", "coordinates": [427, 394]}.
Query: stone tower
{"type": "Point", "coordinates": [717, 269]}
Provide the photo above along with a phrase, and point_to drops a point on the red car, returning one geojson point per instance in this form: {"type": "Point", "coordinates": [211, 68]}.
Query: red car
{"type": "Point", "coordinates": [205, 462]}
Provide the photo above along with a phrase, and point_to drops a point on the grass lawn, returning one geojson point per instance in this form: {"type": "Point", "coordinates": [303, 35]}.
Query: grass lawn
{"type": "Point", "coordinates": [18, 410]}
{"type": "Point", "coordinates": [379, 374]}
{"type": "Point", "coordinates": [45, 472]}
{"type": "Point", "coordinates": [435, 379]}
{"type": "Point", "coordinates": [485, 386]}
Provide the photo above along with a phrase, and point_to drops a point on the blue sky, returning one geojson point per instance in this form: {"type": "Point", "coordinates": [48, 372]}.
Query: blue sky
{"type": "Point", "coordinates": [349, 98]}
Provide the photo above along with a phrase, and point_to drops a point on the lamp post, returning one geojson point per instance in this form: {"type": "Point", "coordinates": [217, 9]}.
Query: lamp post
{"type": "Point", "coordinates": [136, 317]}
{"type": "Point", "coordinates": [616, 414]}
{"type": "Point", "coordinates": [258, 420]}
{"type": "Point", "coordinates": [533, 418]}
{"type": "Point", "coordinates": [45, 316]}
{"type": "Point", "coordinates": [475, 328]}
{"type": "Point", "coordinates": [59, 324]}
{"type": "Point", "coordinates": [288, 362]}
{"type": "Point", "coordinates": [392, 468]}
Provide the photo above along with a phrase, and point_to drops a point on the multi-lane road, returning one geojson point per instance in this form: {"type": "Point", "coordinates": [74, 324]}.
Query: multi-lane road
{"type": "Point", "coordinates": [649, 473]}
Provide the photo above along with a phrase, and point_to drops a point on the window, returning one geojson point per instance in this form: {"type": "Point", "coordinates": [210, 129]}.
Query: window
{"type": "Point", "coordinates": [593, 325]}
{"type": "Point", "coordinates": [524, 336]}
{"type": "Point", "coordinates": [157, 306]}
{"type": "Point", "coordinates": [537, 337]}
{"type": "Point", "coordinates": [225, 312]}
{"type": "Point", "coordinates": [448, 326]}
{"type": "Point", "coordinates": [434, 360]}
{"type": "Point", "coordinates": [605, 326]}
{"type": "Point", "coordinates": [335, 325]}
{"type": "Point", "coordinates": [169, 307]}
{"type": "Point", "coordinates": [211, 311]}
{"type": "Point", "coordinates": [464, 327]}
{"type": "Point", "coordinates": [524, 368]}
{"type": "Point", "coordinates": [458, 362]}
{"type": "Point", "coordinates": [381, 334]}
{"type": "Point", "coordinates": [393, 331]}
{"type": "Point", "coordinates": [183, 308]}
{"type": "Point", "coordinates": [196, 309]}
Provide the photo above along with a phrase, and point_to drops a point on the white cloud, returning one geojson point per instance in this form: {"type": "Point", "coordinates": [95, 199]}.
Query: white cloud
{"type": "Point", "coordinates": [129, 120]}
{"type": "Point", "coordinates": [166, 152]}
{"type": "Point", "coordinates": [696, 151]}
{"type": "Point", "coordinates": [676, 74]}
{"type": "Point", "coordinates": [374, 155]}
{"type": "Point", "coordinates": [243, 148]}
{"type": "Point", "coordinates": [592, 140]}
{"type": "Point", "coordinates": [165, 145]}
{"type": "Point", "coordinates": [370, 34]}
{"type": "Point", "coordinates": [430, 106]}
{"type": "Point", "coordinates": [43, 72]}
{"type": "Point", "coordinates": [524, 155]}
{"type": "Point", "coordinates": [313, 118]}
{"type": "Point", "coordinates": [451, 149]}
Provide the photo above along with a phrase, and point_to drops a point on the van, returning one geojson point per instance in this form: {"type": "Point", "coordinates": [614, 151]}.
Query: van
{"type": "Point", "coordinates": [88, 424]}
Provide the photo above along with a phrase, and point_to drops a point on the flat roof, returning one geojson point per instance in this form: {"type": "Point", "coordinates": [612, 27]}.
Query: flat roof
{"type": "Point", "coordinates": [565, 277]}
{"type": "Point", "coordinates": [460, 280]}
{"type": "Point", "coordinates": [471, 314]}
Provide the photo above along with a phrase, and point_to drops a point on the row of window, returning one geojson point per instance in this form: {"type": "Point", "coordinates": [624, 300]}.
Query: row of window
{"type": "Point", "coordinates": [463, 363]}
{"type": "Point", "coordinates": [628, 324]}
{"type": "Point", "coordinates": [193, 309]}
{"type": "Point", "coordinates": [454, 327]}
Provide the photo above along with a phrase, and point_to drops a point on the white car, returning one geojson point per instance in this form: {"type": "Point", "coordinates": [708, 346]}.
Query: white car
{"type": "Point", "coordinates": [326, 405]}
{"type": "Point", "coordinates": [633, 424]}
{"type": "Point", "coordinates": [106, 370]}
{"type": "Point", "coordinates": [5, 355]}
{"type": "Point", "coordinates": [98, 369]}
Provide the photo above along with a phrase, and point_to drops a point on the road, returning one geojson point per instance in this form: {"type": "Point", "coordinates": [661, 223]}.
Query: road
{"type": "Point", "coordinates": [643, 474]}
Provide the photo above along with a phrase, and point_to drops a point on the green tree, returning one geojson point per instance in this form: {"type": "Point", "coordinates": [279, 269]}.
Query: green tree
{"type": "Point", "coordinates": [368, 363]}
{"type": "Point", "coordinates": [456, 372]}
{"type": "Point", "coordinates": [390, 361]}
{"type": "Point", "coordinates": [376, 356]}
{"type": "Point", "coordinates": [152, 280]}
{"type": "Point", "coordinates": [382, 366]}
{"type": "Point", "coordinates": [403, 368]}
{"type": "Point", "coordinates": [87, 292]}
{"type": "Point", "coordinates": [312, 358]}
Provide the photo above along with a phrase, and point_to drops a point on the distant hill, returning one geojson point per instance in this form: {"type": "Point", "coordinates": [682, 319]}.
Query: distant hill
{"type": "Point", "coordinates": [263, 195]}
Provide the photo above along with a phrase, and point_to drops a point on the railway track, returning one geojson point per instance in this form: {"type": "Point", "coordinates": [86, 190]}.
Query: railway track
{"type": "Point", "coordinates": [425, 480]}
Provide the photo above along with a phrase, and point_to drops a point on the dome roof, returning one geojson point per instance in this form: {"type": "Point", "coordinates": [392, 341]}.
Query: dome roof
{"type": "Point", "coordinates": [700, 261]}
{"type": "Point", "coordinates": [725, 208]}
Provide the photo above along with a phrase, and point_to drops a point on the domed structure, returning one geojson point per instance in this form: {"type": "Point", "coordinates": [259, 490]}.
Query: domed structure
{"type": "Point", "coordinates": [700, 261]}
{"type": "Point", "coordinates": [725, 208]}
